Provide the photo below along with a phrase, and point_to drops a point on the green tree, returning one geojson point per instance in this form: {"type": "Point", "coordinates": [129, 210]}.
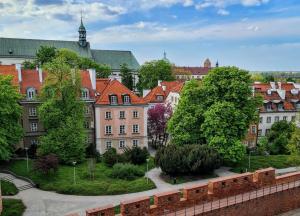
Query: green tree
{"type": "Point", "coordinates": [127, 77]}
{"type": "Point", "coordinates": [45, 54]}
{"type": "Point", "coordinates": [28, 64]}
{"type": "Point", "coordinates": [152, 71]}
{"type": "Point", "coordinates": [279, 136]}
{"type": "Point", "coordinates": [62, 112]}
{"type": "Point", "coordinates": [294, 147]}
{"type": "Point", "coordinates": [102, 70]}
{"type": "Point", "coordinates": [10, 113]}
{"type": "Point", "coordinates": [267, 77]}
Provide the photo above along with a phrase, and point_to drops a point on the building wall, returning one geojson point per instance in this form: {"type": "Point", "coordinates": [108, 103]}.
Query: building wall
{"type": "Point", "coordinates": [173, 99]}
{"type": "Point", "coordinates": [115, 122]}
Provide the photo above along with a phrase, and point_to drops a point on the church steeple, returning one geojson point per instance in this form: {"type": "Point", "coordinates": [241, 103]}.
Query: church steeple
{"type": "Point", "coordinates": [82, 34]}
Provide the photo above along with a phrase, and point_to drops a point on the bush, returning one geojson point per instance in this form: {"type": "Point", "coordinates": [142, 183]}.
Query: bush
{"type": "Point", "coordinates": [188, 159]}
{"type": "Point", "coordinates": [136, 155]}
{"type": "Point", "coordinates": [110, 157]}
{"type": "Point", "coordinates": [126, 171]}
{"type": "Point", "coordinates": [46, 163]}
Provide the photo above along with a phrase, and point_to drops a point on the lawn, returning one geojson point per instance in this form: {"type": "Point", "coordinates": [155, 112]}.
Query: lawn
{"type": "Point", "coordinates": [12, 207]}
{"type": "Point", "coordinates": [62, 181]}
{"type": "Point", "coordinates": [8, 188]}
{"type": "Point", "coordinates": [184, 179]}
{"type": "Point", "coordinates": [259, 162]}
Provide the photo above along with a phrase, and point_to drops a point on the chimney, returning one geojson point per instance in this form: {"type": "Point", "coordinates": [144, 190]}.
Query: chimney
{"type": "Point", "coordinates": [40, 71]}
{"type": "Point", "coordinates": [92, 73]}
{"type": "Point", "coordinates": [279, 85]}
{"type": "Point", "coordinates": [159, 82]}
{"type": "Point", "coordinates": [164, 87]}
{"type": "Point", "coordinates": [19, 69]}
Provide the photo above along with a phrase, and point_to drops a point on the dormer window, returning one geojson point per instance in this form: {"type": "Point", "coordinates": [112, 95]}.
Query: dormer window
{"type": "Point", "coordinates": [280, 107]}
{"type": "Point", "coordinates": [85, 94]}
{"type": "Point", "coordinates": [126, 99]}
{"type": "Point", "coordinates": [31, 93]}
{"type": "Point", "coordinates": [159, 98]}
{"type": "Point", "coordinates": [113, 99]}
{"type": "Point", "coordinates": [269, 107]}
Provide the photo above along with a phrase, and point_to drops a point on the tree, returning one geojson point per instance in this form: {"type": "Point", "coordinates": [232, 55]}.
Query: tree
{"type": "Point", "coordinates": [136, 155]}
{"type": "Point", "coordinates": [224, 98]}
{"type": "Point", "coordinates": [28, 64]}
{"type": "Point", "coordinates": [294, 146]}
{"type": "Point", "coordinates": [62, 112]}
{"type": "Point", "coordinates": [46, 163]}
{"type": "Point", "coordinates": [268, 78]}
{"type": "Point", "coordinates": [257, 77]}
{"type": "Point", "coordinates": [45, 54]}
{"type": "Point", "coordinates": [279, 136]}
{"type": "Point", "coordinates": [110, 157]}
{"type": "Point", "coordinates": [158, 117]}
{"type": "Point", "coordinates": [152, 71]}
{"type": "Point", "coordinates": [10, 114]}
{"type": "Point", "coordinates": [102, 70]}
{"type": "Point", "coordinates": [127, 77]}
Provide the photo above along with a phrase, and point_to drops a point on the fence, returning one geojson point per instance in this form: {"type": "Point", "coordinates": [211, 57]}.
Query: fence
{"type": "Point", "coordinates": [232, 200]}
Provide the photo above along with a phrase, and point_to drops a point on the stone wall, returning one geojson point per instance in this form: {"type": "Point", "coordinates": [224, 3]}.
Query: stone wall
{"type": "Point", "coordinates": [215, 192]}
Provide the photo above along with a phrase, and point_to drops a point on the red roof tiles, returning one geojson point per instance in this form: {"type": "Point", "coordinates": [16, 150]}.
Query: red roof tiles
{"type": "Point", "coordinates": [191, 70]}
{"type": "Point", "coordinates": [10, 70]}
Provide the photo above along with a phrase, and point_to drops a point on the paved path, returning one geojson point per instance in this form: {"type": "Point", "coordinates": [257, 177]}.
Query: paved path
{"type": "Point", "coordinates": [46, 203]}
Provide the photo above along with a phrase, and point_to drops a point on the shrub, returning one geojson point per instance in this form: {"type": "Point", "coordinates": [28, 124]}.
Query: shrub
{"type": "Point", "coordinates": [188, 159]}
{"type": "Point", "coordinates": [126, 171]}
{"type": "Point", "coordinates": [136, 155]}
{"type": "Point", "coordinates": [46, 163]}
{"type": "Point", "coordinates": [110, 157]}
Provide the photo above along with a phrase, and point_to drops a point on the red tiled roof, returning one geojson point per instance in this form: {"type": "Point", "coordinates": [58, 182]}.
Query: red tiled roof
{"type": "Point", "coordinates": [107, 87]}
{"type": "Point", "coordinates": [192, 70]}
{"type": "Point", "coordinates": [10, 70]}
{"type": "Point", "coordinates": [30, 78]}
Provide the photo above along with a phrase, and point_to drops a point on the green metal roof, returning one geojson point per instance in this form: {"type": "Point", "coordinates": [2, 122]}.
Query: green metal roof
{"type": "Point", "coordinates": [27, 48]}
{"type": "Point", "coordinates": [116, 58]}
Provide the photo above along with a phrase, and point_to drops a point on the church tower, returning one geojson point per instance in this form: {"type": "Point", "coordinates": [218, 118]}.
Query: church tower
{"type": "Point", "coordinates": [207, 63]}
{"type": "Point", "coordinates": [82, 34]}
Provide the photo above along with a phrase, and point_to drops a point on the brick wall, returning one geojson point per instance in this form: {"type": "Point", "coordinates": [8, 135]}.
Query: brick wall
{"type": "Point", "coordinates": [215, 190]}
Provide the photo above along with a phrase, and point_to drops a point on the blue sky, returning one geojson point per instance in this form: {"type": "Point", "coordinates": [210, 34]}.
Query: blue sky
{"type": "Point", "coordinates": [251, 34]}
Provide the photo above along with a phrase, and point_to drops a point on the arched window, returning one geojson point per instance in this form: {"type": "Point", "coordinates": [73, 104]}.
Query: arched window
{"type": "Point", "coordinates": [85, 94]}
{"type": "Point", "coordinates": [31, 93]}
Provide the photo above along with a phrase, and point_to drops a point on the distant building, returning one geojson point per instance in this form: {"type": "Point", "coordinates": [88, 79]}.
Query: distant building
{"type": "Point", "coordinates": [188, 73]}
{"type": "Point", "coordinates": [120, 116]}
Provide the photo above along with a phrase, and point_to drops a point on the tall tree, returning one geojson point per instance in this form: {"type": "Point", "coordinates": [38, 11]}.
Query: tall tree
{"type": "Point", "coordinates": [223, 98]}
{"type": "Point", "coordinates": [62, 112]}
{"type": "Point", "coordinates": [152, 71]}
{"type": "Point", "coordinates": [102, 70]}
{"type": "Point", "coordinates": [10, 113]}
{"type": "Point", "coordinates": [158, 117]}
{"type": "Point", "coordinates": [45, 54]}
{"type": "Point", "coordinates": [127, 77]}
{"type": "Point", "coordinates": [294, 146]}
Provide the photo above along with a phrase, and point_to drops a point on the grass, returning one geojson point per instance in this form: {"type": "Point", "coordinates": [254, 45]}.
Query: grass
{"type": "Point", "coordinates": [8, 188]}
{"type": "Point", "coordinates": [13, 207]}
{"type": "Point", "coordinates": [259, 162]}
{"type": "Point", "coordinates": [184, 179]}
{"type": "Point", "coordinates": [103, 184]}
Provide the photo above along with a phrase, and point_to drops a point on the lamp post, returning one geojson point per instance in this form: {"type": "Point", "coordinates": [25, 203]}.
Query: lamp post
{"type": "Point", "coordinates": [147, 169]}
{"type": "Point", "coordinates": [74, 176]}
{"type": "Point", "coordinates": [27, 165]}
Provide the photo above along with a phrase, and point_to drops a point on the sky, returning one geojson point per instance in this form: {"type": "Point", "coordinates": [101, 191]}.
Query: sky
{"type": "Point", "coordinates": [257, 35]}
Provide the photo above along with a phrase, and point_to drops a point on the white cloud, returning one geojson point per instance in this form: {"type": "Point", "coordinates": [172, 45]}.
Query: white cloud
{"type": "Point", "coordinates": [223, 12]}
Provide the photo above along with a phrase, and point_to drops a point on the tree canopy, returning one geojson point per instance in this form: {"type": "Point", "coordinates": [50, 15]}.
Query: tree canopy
{"type": "Point", "coordinates": [127, 76]}
{"type": "Point", "coordinates": [152, 71]}
{"type": "Point", "coordinates": [10, 113]}
{"type": "Point", "coordinates": [217, 112]}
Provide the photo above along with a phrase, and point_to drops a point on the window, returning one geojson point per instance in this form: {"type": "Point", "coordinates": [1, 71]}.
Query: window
{"type": "Point", "coordinates": [33, 127]}
{"type": "Point", "coordinates": [113, 99]}
{"type": "Point", "coordinates": [269, 107]}
{"type": "Point", "coordinates": [285, 118]}
{"type": "Point", "coordinates": [259, 132]}
{"type": "Point", "coordinates": [122, 115]}
{"type": "Point", "coordinates": [34, 142]}
{"type": "Point", "coordinates": [126, 99]}
{"type": "Point", "coordinates": [31, 93]}
{"type": "Point", "coordinates": [122, 129]}
{"type": "Point", "coordinates": [135, 143]}
{"type": "Point", "coordinates": [261, 120]}
{"type": "Point", "coordinates": [86, 124]}
{"type": "Point", "coordinates": [172, 98]}
{"type": "Point", "coordinates": [108, 129]}
{"type": "Point", "coordinates": [84, 94]}
{"type": "Point", "coordinates": [108, 144]}
{"type": "Point", "coordinates": [88, 140]}
{"type": "Point", "coordinates": [269, 119]}
{"type": "Point", "coordinates": [280, 107]}
{"type": "Point", "coordinates": [253, 129]}
{"type": "Point", "coordinates": [87, 110]}
{"type": "Point", "coordinates": [135, 114]}
{"type": "Point", "coordinates": [135, 128]}
{"type": "Point", "coordinates": [122, 144]}
{"type": "Point", "coordinates": [267, 131]}
{"type": "Point", "coordinates": [108, 115]}
{"type": "Point", "coordinates": [293, 118]}
{"type": "Point", "coordinates": [159, 97]}
{"type": "Point", "coordinates": [32, 111]}
{"type": "Point", "coordinates": [276, 118]}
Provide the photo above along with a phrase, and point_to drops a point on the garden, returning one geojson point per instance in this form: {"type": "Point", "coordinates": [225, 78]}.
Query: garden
{"type": "Point", "coordinates": [12, 207]}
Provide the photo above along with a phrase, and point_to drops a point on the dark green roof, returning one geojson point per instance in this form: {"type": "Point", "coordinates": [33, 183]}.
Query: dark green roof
{"type": "Point", "coordinates": [27, 48]}
{"type": "Point", "coordinates": [116, 58]}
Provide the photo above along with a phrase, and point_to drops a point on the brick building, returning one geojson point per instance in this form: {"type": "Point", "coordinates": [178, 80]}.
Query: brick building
{"type": "Point", "coordinates": [120, 115]}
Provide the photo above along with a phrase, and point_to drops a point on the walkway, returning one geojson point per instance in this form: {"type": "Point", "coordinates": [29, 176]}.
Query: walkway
{"type": "Point", "coordinates": [46, 203]}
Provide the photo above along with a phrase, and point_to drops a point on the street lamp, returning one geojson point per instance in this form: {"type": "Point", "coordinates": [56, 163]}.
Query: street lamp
{"type": "Point", "coordinates": [26, 149]}
{"type": "Point", "coordinates": [147, 169]}
{"type": "Point", "coordinates": [74, 177]}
